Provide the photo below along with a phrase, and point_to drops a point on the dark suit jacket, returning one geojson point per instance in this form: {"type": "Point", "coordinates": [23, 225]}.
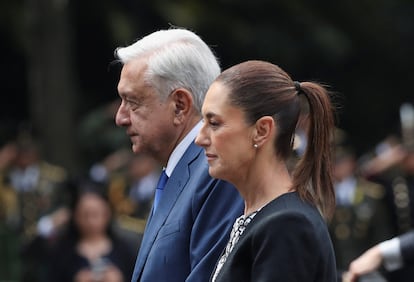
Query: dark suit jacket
{"type": "Point", "coordinates": [286, 241]}
{"type": "Point", "coordinates": [407, 247]}
{"type": "Point", "coordinates": [191, 226]}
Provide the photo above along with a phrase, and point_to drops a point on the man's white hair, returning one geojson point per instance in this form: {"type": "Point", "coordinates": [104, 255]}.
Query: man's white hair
{"type": "Point", "coordinates": [177, 58]}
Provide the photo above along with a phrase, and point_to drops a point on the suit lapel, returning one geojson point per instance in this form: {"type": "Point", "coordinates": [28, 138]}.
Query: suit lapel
{"type": "Point", "coordinates": [172, 190]}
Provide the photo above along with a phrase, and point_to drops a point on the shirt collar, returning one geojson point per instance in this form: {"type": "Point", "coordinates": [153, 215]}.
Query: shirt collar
{"type": "Point", "coordinates": [181, 148]}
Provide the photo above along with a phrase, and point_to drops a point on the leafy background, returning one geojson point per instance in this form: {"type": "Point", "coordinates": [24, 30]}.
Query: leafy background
{"type": "Point", "coordinates": [56, 56]}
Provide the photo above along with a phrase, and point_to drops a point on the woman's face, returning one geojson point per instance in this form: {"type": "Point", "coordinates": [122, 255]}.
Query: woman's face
{"type": "Point", "coordinates": [92, 215]}
{"type": "Point", "coordinates": [225, 136]}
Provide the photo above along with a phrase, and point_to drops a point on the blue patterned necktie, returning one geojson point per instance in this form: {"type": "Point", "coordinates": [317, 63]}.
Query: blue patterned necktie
{"type": "Point", "coordinates": [160, 187]}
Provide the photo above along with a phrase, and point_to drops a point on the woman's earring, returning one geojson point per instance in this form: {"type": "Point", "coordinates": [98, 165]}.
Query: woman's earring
{"type": "Point", "coordinates": [255, 146]}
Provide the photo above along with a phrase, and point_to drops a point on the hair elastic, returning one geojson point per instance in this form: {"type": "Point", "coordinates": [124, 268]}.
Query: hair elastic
{"type": "Point", "coordinates": [297, 87]}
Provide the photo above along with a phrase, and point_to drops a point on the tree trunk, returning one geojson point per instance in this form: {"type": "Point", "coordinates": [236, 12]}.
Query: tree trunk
{"type": "Point", "coordinates": [51, 83]}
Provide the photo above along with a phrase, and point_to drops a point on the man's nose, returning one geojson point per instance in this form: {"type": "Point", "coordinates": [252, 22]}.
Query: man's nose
{"type": "Point", "coordinates": [122, 116]}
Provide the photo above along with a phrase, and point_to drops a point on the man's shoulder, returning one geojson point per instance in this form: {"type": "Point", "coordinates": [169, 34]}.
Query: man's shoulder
{"type": "Point", "coordinates": [199, 179]}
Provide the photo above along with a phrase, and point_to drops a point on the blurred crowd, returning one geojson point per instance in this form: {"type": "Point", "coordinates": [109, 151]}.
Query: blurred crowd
{"type": "Point", "coordinates": [55, 226]}
{"type": "Point", "coordinates": [374, 196]}
{"type": "Point", "coordinates": [88, 227]}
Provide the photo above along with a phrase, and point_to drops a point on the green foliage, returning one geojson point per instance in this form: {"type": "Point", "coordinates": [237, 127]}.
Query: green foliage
{"type": "Point", "coordinates": [363, 49]}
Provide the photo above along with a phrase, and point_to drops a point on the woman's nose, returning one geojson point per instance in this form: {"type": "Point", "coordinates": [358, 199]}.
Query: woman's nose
{"type": "Point", "coordinates": [201, 139]}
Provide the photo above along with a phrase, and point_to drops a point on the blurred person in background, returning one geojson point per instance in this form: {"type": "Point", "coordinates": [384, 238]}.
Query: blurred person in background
{"type": "Point", "coordinates": [399, 178]}
{"type": "Point", "coordinates": [392, 254]}
{"type": "Point", "coordinates": [131, 192]}
{"type": "Point", "coordinates": [9, 258]}
{"type": "Point", "coordinates": [131, 181]}
{"type": "Point", "coordinates": [42, 200]}
{"type": "Point", "coordinates": [8, 196]}
{"type": "Point", "coordinates": [361, 218]}
{"type": "Point", "coordinates": [100, 122]}
{"type": "Point", "coordinates": [392, 165]}
{"type": "Point", "coordinates": [89, 250]}
{"type": "Point", "coordinates": [163, 80]}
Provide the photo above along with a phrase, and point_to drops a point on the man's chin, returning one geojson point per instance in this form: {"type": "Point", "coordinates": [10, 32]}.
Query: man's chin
{"type": "Point", "coordinates": [212, 172]}
{"type": "Point", "coordinates": [136, 149]}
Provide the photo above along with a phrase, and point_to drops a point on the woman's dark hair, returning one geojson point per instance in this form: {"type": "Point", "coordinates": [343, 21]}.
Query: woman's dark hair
{"type": "Point", "coordinates": [260, 89]}
{"type": "Point", "coordinates": [80, 189]}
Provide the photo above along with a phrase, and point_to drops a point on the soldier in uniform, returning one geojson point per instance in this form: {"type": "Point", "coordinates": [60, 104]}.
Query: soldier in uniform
{"type": "Point", "coordinates": [41, 195]}
{"type": "Point", "coordinates": [130, 192]}
{"type": "Point", "coordinates": [361, 219]}
{"type": "Point", "coordinates": [393, 167]}
{"type": "Point", "coordinates": [399, 180]}
{"type": "Point", "coordinates": [9, 261]}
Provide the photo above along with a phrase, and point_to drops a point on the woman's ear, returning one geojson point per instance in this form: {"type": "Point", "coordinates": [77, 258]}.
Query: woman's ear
{"type": "Point", "coordinates": [182, 103]}
{"type": "Point", "coordinates": [264, 130]}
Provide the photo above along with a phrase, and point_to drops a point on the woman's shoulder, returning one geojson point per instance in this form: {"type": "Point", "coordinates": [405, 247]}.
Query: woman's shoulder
{"type": "Point", "coordinates": [290, 211]}
{"type": "Point", "coordinates": [291, 203]}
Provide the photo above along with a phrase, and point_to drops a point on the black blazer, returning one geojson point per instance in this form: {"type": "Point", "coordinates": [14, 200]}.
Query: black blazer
{"type": "Point", "coordinates": [407, 247]}
{"type": "Point", "coordinates": [287, 240]}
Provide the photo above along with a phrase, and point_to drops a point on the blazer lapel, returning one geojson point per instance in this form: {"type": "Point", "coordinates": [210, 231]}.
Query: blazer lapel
{"type": "Point", "coordinates": [172, 190]}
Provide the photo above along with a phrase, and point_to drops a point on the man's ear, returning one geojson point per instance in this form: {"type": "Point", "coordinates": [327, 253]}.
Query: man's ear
{"type": "Point", "coordinates": [182, 103]}
{"type": "Point", "coordinates": [264, 130]}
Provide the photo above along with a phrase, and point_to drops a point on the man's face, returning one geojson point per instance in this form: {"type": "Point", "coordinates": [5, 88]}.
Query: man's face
{"type": "Point", "coordinates": [147, 118]}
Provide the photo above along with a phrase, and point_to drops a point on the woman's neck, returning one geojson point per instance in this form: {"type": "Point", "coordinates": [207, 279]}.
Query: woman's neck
{"type": "Point", "coordinates": [264, 184]}
{"type": "Point", "coordinates": [93, 247]}
{"type": "Point", "coordinates": [96, 237]}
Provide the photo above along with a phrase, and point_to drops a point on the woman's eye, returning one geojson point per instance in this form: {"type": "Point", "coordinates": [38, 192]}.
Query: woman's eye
{"type": "Point", "coordinates": [213, 123]}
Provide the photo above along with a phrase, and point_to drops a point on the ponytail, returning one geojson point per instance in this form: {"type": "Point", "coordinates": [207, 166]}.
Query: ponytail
{"type": "Point", "coordinates": [313, 174]}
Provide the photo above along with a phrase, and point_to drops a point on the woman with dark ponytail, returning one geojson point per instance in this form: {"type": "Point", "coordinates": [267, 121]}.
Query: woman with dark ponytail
{"type": "Point", "coordinates": [250, 115]}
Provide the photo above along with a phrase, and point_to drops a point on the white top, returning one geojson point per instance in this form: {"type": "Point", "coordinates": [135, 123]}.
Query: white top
{"type": "Point", "coordinates": [391, 253]}
{"type": "Point", "coordinates": [345, 191]}
{"type": "Point", "coordinates": [238, 228]}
